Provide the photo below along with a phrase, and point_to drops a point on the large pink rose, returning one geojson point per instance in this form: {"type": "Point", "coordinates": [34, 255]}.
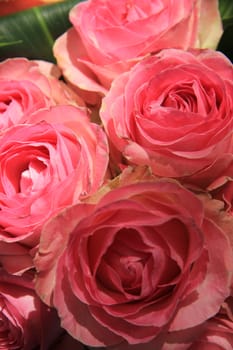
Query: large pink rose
{"type": "Point", "coordinates": [46, 165]}
{"type": "Point", "coordinates": [133, 264]}
{"type": "Point", "coordinates": [109, 37]}
{"type": "Point", "coordinates": [27, 86]}
{"type": "Point", "coordinates": [24, 318]}
{"type": "Point", "coordinates": [174, 112]}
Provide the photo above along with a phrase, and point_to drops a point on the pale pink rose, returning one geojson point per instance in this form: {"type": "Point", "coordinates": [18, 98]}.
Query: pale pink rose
{"type": "Point", "coordinates": [27, 86]}
{"type": "Point", "coordinates": [139, 261]}
{"type": "Point", "coordinates": [47, 165]}
{"type": "Point", "coordinates": [173, 112]}
{"type": "Point", "coordinates": [109, 37]}
{"type": "Point", "coordinates": [25, 322]}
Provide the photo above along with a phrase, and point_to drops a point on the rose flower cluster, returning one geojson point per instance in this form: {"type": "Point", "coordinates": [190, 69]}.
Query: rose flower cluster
{"type": "Point", "coordinates": [116, 183]}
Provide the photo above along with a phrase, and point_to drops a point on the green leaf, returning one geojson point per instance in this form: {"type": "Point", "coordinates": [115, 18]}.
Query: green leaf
{"type": "Point", "coordinates": [226, 43]}
{"type": "Point", "coordinates": [2, 44]}
{"type": "Point", "coordinates": [226, 11]}
{"type": "Point", "coordinates": [31, 33]}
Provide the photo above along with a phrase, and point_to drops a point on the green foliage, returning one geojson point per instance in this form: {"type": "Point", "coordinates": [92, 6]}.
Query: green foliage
{"type": "Point", "coordinates": [226, 10]}
{"type": "Point", "coordinates": [31, 33]}
{"type": "Point", "coordinates": [226, 41]}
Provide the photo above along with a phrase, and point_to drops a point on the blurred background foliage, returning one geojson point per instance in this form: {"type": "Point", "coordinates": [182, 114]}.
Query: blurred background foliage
{"type": "Point", "coordinates": [31, 32]}
{"type": "Point", "coordinates": [226, 41]}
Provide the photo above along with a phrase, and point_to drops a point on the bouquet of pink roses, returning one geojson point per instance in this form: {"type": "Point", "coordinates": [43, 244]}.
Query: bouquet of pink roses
{"type": "Point", "coordinates": [116, 177]}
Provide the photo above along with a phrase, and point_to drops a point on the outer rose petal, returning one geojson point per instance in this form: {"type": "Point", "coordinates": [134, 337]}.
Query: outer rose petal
{"type": "Point", "coordinates": [209, 13]}
{"type": "Point", "coordinates": [67, 49]}
{"type": "Point", "coordinates": [15, 258]}
{"type": "Point", "coordinates": [80, 71]}
{"type": "Point", "coordinates": [191, 314]}
{"type": "Point", "coordinates": [215, 333]}
{"type": "Point", "coordinates": [53, 240]}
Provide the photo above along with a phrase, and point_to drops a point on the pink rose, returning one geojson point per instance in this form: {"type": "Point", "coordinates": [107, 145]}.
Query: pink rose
{"type": "Point", "coordinates": [27, 86]}
{"type": "Point", "coordinates": [47, 165]}
{"type": "Point", "coordinates": [133, 264]}
{"type": "Point", "coordinates": [108, 38]}
{"type": "Point", "coordinates": [173, 112]}
{"type": "Point", "coordinates": [24, 319]}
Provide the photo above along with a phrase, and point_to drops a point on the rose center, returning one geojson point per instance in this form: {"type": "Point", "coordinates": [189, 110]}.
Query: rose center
{"type": "Point", "coordinates": [24, 170]}
{"type": "Point", "coordinates": [127, 261]}
{"type": "Point", "coordinates": [182, 100]}
{"type": "Point", "coordinates": [130, 271]}
{"type": "Point", "coordinates": [33, 178]}
{"type": "Point", "coordinates": [4, 104]}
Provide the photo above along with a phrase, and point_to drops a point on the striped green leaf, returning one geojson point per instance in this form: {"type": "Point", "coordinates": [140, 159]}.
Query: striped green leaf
{"type": "Point", "coordinates": [31, 33]}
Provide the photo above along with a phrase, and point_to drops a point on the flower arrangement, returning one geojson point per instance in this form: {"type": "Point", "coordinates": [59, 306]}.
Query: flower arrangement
{"type": "Point", "coordinates": [116, 189]}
